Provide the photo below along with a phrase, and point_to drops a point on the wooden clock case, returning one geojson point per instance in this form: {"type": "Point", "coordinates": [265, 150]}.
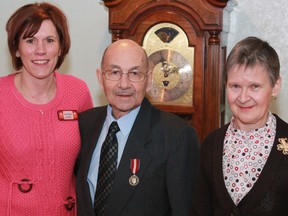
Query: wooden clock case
{"type": "Point", "coordinates": [201, 20]}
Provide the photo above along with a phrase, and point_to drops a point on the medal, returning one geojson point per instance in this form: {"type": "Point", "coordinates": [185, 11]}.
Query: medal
{"type": "Point", "coordinates": [134, 167]}
{"type": "Point", "coordinates": [133, 180]}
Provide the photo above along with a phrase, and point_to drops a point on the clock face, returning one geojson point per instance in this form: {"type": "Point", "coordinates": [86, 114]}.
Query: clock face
{"type": "Point", "coordinates": [171, 61]}
{"type": "Point", "coordinates": [171, 76]}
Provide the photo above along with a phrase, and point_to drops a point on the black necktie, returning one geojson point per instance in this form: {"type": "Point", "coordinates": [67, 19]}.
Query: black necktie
{"type": "Point", "coordinates": [107, 170]}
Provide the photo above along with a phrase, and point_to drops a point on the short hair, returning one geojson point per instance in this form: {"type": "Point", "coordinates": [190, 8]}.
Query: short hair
{"type": "Point", "coordinates": [27, 20]}
{"type": "Point", "coordinates": [253, 51]}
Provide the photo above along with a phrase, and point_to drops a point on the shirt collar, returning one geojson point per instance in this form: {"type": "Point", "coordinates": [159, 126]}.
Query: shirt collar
{"type": "Point", "coordinates": [270, 123]}
{"type": "Point", "coordinates": [126, 122]}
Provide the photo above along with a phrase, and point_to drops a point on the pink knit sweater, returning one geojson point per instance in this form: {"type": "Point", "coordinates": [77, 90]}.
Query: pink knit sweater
{"type": "Point", "coordinates": [38, 151]}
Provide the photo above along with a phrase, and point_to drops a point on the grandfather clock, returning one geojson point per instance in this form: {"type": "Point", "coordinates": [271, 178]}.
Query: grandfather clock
{"type": "Point", "coordinates": [181, 38]}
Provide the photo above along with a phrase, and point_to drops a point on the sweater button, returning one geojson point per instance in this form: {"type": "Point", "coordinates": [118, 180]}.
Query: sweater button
{"type": "Point", "coordinates": [25, 187]}
{"type": "Point", "coordinates": [69, 203]}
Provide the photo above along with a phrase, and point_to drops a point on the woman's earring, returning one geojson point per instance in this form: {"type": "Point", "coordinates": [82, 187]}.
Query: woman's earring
{"type": "Point", "coordinates": [273, 98]}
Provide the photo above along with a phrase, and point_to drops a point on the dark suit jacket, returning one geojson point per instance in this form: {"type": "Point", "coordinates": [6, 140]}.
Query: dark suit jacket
{"type": "Point", "coordinates": [168, 151]}
{"type": "Point", "coordinates": [269, 195]}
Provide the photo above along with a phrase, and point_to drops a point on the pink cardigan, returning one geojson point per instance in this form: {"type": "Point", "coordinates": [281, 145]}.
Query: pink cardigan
{"type": "Point", "coordinates": [38, 150]}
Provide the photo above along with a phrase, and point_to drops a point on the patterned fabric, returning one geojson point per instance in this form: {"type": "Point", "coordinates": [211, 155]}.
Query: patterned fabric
{"type": "Point", "coordinates": [244, 156]}
{"type": "Point", "coordinates": [107, 169]}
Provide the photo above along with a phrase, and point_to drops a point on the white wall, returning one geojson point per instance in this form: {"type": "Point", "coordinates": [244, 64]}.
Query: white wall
{"type": "Point", "coordinates": [267, 20]}
{"type": "Point", "coordinates": [88, 22]}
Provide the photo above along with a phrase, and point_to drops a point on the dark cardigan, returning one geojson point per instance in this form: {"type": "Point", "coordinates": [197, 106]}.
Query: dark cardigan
{"type": "Point", "coordinates": [269, 195]}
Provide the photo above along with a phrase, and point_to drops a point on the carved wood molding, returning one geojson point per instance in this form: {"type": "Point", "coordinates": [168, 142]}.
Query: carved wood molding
{"type": "Point", "coordinates": [206, 13]}
{"type": "Point", "coordinates": [218, 3]}
{"type": "Point", "coordinates": [112, 3]}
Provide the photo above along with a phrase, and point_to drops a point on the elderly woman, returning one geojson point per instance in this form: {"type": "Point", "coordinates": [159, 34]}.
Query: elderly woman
{"type": "Point", "coordinates": [244, 164]}
{"type": "Point", "coordinates": [39, 134]}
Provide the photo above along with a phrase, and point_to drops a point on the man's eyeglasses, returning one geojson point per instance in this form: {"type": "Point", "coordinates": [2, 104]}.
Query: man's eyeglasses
{"type": "Point", "coordinates": [133, 76]}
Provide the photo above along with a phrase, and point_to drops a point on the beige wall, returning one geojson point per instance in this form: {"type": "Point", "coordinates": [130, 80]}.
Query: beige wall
{"type": "Point", "coordinates": [88, 21]}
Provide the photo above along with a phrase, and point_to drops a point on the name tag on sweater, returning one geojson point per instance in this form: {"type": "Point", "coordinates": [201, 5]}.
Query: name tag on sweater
{"type": "Point", "coordinates": [67, 115]}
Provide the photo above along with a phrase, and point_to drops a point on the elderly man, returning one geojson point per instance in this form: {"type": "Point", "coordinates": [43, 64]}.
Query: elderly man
{"type": "Point", "coordinates": [147, 164]}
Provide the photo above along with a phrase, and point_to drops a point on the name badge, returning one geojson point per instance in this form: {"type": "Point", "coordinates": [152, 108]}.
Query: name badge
{"type": "Point", "coordinates": [67, 115]}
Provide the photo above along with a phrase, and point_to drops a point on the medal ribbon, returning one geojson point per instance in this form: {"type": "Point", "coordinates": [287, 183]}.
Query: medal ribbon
{"type": "Point", "coordinates": [134, 165]}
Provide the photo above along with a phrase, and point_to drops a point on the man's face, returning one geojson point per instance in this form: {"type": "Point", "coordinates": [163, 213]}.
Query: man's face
{"type": "Point", "coordinates": [124, 95]}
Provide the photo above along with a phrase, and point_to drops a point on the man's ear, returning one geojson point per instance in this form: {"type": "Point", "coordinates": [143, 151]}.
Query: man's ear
{"type": "Point", "coordinates": [149, 79]}
{"type": "Point", "coordinates": [100, 77]}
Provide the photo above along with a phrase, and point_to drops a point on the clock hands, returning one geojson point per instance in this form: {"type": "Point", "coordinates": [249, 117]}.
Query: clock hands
{"type": "Point", "coordinates": [168, 69]}
{"type": "Point", "coordinates": [171, 76]}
